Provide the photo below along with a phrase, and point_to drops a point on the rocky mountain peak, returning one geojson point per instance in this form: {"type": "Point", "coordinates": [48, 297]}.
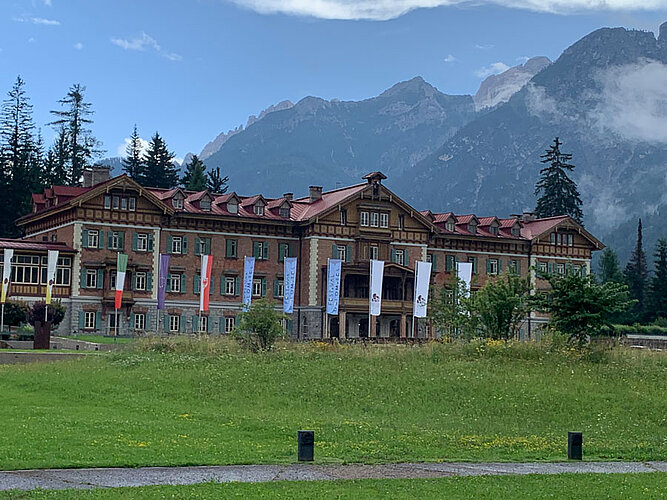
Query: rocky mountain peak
{"type": "Point", "coordinates": [416, 86]}
{"type": "Point", "coordinates": [662, 37]}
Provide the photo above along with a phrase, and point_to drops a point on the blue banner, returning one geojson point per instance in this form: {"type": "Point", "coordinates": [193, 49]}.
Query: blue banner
{"type": "Point", "coordinates": [289, 283]}
{"type": "Point", "coordinates": [333, 286]}
{"type": "Point", "coordinates": [248, 273]}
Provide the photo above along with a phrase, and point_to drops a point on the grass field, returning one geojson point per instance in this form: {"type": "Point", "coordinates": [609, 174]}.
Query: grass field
{"type": "Point", "coordinates": [209, 403]}
{"type": "Point", "coordinates": [566, 486]}
{"type": "Point", "coordinates": [101, 339]}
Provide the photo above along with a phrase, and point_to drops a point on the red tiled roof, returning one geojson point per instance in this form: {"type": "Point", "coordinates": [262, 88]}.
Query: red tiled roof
{"type": "Point", "coordinates": [34, 245]}
{"type": "Point", "coordinates": [508, 223]}
{"type": "Point", "coordinates": [534, 228]}
{"type": "Point", "coordinates": [487, 221]}
{"type": "Point", "coordinates": [303, 209]}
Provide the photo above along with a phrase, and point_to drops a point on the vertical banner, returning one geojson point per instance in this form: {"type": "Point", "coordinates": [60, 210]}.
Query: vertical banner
{"type": "Point", "coordinates": [121, 268]}
{"type": "Point", "coordinates": [289, 284]}
{"type": "Point", "coordinates": [163, 275]}
{"type": "Point", "coordinates": [52, 263]}
{"type": "Point", "coordinates": [422, 281]}
{"type": "Point", "coordinates": [248, 273]}
{"type": "Point", "coordinates": [333, 286]}
{"type": "Point", "coordinates": [375, 292]}
{"type": "Point", "coordinates": [205, 276]}
{"type": "Point", "coordinates": [7, 274]}
{"type": "Point", "coordinates": [464, 272]}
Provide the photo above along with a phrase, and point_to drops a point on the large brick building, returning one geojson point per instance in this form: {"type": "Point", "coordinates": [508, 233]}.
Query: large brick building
{"type": "Point", "coordinates": [355, 224]}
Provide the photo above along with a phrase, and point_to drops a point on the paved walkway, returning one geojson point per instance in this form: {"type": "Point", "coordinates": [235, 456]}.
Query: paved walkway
{"type": "Point", "coordinates": [146, 476]}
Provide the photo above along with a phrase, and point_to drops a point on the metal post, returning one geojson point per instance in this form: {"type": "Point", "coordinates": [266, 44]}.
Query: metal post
{"type": "Point", "coordinates": [46, 312]}
{"type": "Point", "coordinates": [306, 445]}
{"type": "Point", "coordinates": [574, 445]}
{"type": "Point", "coordinates": [116, 328]}
{"type": "Point", "coordinates": [2, 321]}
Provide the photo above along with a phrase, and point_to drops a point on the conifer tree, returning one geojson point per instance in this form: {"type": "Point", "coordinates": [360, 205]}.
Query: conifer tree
{"type": "Point", "coordinates": [58, 159]}
{"type": "Point", "coordinates": [216, 182]}
{"type": "Point", "coordinates": [559, 193]}
{"type": "Point", "coordinates": [195, 178]}
{"type": "Point", "coordinates": [658, 286]}
{"type": "Point", "coordinates": [609, 267]}
{"type": "Point", "coordinates": [75, 120]}
{"type": "Point", "coordinates": [159, 168]}
{"type": "Point", "coordinates": [133, 164]}
{"type": "Point", "coordinates": [636, 276]}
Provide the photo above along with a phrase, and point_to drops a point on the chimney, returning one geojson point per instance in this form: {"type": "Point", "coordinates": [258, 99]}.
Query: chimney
{"type": "Point", "coordinates": [528, 217]}
{"type": "Point", "coordinates": [315, 193]}
{"type": "Point", "coordinates": [95, 175]}
{"type": "Point", "coordinates": [288, 196]}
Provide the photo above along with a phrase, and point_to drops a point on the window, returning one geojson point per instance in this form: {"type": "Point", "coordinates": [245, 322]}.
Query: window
{"type": "Point", "coordinates": [123, 203]}
{"type": "Point", "coordinates": [202, 246]}
{"type": "Point", "coordinates": [174, 323]}
{"type": "Point", "coordinates": [304, 326]}
{"type": "Point", "coordinates": [493, 229]}
{"type": "Point", "coordinates": [203, 324]}
{"type": "Point", "coordinates": [514, 267]}
{"type": "Point", "coordinates": [112, 281]}
{"type": "Point", "coordinates": [258, 209]}
{"type": "Point", "coordinates": [342, 252]}
{"type": "Point", "coordinates": [473, 261]}
{"type": "Point", "coordinates": [233, 207]}
{"type": "Point", "coordinates": [280, 289]}
{"type": "Point", "coordinates": [283, 251]}
{"type": "Point", "coordinates": [230, 285]}
{"type": "Point", "coordinates": [570, 240]}
{"type": "Point", "coordinates": [449, 226]}
{"type": "Point", "coordinates": [91, 278]}
{"type": "Point", "coordinates": [176, 244]}
{"type": "Point", "coordinates": [25, 269]}
{"type": "Point", "coordinates": [384, 220]}
{"type": "Point", "coordinates": [140, 321]}
{"type": "Point", "coordinates": [400, 257]}
{"type": "Point", "coordinates": [284, 212]}
{"type": "Point", "coordinates": [231, 248]}
{"type": "Point", "coordinates": [577, 270]}
{"type": "Point", "coordinates": [374, 252]}
{"type": "Point", "coordinates": [205, 205]}
{"type": "Point", "coordinates": [132, 204]}
{"type": "Point", "coordinates": [260, 250]}
{"type": "Point", "coordinates": [363, 218]}
{"type": "Point", "coordinates": [114, 240]}
{"type": "Point", "coordinates": [142, 242]}
{"type": "Point", "coordinates": [257, 287]}
{"type": "Point", "coordinates": [343, 217]}
{"type": "Point", "coordinates": [229, 324]}
{"type": "Point", "coordinates": [542, 267]}
{"type": "Point", "coordinates": [493, 266]}
{"type": "Point", "coordinates": [516, 231]}
{"type": "Point", "coordinates": [375, 217]}
{"type": "Point", "coordinates": [175, 283]}
{"type": "Point", "coordinates": [89, 320]}
{"type": "Point", "coordinates": [472, 228]}
{"type": "Point", "coordinates": [93, 238]}
{"type": "Point", "coordinates": [401, 222]}
{"type": "Point", "coordinates": [429, 257]}
{"type": "Point", "coordinates": [63, 271]}
{"type": "Point", "coordinates": [140, 281]}
{"type": "Point", "coordinates": [560, 268]}
{"type": "Point", "coordinates": [177, 203]}
{"type": "Point", "coordinates": [116, 202]}
{"type": "Point", "coordinates": [107, 201]}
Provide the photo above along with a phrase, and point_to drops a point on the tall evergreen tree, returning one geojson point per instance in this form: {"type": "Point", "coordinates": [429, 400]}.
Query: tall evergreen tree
{"type": "Point", "coordinates": [216, 182]}
{"type": "Point", "coordinates": [636, 276]}
{"type": "Point", "coordinates": [658, 286]}
{"type": "Point", "coordinates": [75, 120]}
{"type": "Point", "coordinates": [195, 178]}
{"type": "Point", "coordinates": [609, 268]}
{"type": "Point", "coordinates": [160, 170]}
{"type": "Point", "coordinates": [559, 193]}
{"type": "Point", "coordinates": [58, 158]}
{"type": "Point", "coordinates": [133, 164]}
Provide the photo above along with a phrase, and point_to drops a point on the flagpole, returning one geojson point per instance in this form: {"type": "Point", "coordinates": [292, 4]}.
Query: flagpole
{"type": "Point", "coordinates": [2, 321]}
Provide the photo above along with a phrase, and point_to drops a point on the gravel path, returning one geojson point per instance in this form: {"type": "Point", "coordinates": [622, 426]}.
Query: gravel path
{"type": "Point", "coordinates": [145, 476]}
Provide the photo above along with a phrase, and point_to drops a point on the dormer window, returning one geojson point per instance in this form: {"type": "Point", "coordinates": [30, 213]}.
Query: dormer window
{"type": "Point", "coordinates": [516, 231]}
{"type": "Point", "coordinates": [493, 229]}
{"type": "Point", "coordinates": [177, 203]}
{"type": "Point", "coordinates": [472, 228]}
{"type": "Point", "coordinates": [449, 226]}
{"type": "Point", "coordinates": [205, 205]}
{"type": "Point", "coordinates": [258, 209]}
{"type": "Point", "coordinates": [284, 212]}
{"type": "Point", "coordinates": [233, 207]}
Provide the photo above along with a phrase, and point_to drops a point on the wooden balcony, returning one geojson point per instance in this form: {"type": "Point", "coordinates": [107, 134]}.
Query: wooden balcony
{"type": "Point", "coordinates": [110, 297]}
{"type": "Point", "coordinates": [388, 306]}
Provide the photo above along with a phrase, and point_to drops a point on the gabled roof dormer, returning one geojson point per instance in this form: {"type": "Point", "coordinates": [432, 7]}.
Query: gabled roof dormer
{"type": "Point", "coordinates": [255, 204]}
{"type": "Point", "coordinates": [229, 202]}
{"type": "Point", "coordinates": [201, 200]}
{"type": "Point", "coordinates": [282, 207]}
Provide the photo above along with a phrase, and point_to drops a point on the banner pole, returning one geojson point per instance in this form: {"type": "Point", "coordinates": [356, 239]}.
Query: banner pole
{"type": "Point", "coordinates": [2, 322]}
{"type": "Point", "coordinates": [46, 312]}
{"type": "Point", "coordinates": [116, 329]}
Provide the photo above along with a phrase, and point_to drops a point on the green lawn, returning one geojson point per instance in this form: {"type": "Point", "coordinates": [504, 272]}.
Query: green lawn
{"type": "Point", "coordinates": [101, 339]}
{"type": "Point", "coordinates": [565, 486]}
{"type": "Point", "coordinates": [209, 403]}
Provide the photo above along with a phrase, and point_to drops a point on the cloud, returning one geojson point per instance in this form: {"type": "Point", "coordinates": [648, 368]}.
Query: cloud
{"type": "Point", "coordinates": [380, 10]}
{"type": "Point", "coordinates": [78, 46]}
{"type": "Point", "coordinates": [484, 46]}
{"type": "Point", "coordinates": [37, 20]}
{"type": "Point", "coordinates": [48, 3]}
{"type": "Point", "coordinates": [126, 142]}
{"type": "Point", "coordinates": [143, 42]}
{"type": "Point", "coordinates": [633, 101]}
{"type": "Point", "coordinates": [492, 69]}
{"type": "Point", "coordinates": [450, 58]}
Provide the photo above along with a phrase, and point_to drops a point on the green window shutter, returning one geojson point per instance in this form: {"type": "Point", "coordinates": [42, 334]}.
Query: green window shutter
{"type": "Point", "coordinates": [81, 320]}
{"type": "Point", "coordinates": [221, 325]}
{"type": "Point", "coordinates": [289, 325]}
{"type": "Point", "coordinates": [169, 243]}
{"type": "Point", "coordinates": [100, 278]}
{"type": "Point", "coordinates": [100, 240]}
{"type": "Point", "coordinates": [110, 240]}
{"type": "Point", "coordinates": [334, 252]}
{"type": "Point", "coordinates": [393, 255]}
{"type": "Point", "coordinates": [500, 266]}
{"type": "Point", "coordinates": [348, 253]}
{"type": "Point", "coordinates": [488, 266]}
{"type": "Point", "coordinates": [265, 250]}
{"type": "Point", "coordinates": [132, 321]}
{"type": "Point", "coordinates": [281, 252]}
{"type": "Point", "coordinates": [98, 320]}
{"type": "Point", "coordinates": [135, 237]}
{"type": "Point", "coordinates": [263, 287]}
{"type": "Point", "coordinates": [84, 238]}
{"type": "Point", "coordinates": [196, 283]}
{"type": "Point", "coordinates": [434, 262]}
{"type": "Point", "coordinates": [406, 258]}
{"type": "Point", "coordinates": [255, 249]}
{"type": "Point", "coordinates": [150, 242]}
{"type": "Point", "coordinates": [449, 263]}
{"type": "Point", "coordinates": [134, 281]}
{"type": "Point", "coordinates": [275, 288]}
{"type": "Point", "coordinates": [121, 240]}
{"type": "Point", "coordinates": [237, 286]}
{"type": "Point", "coordinates": [208, 246]}
{"type": "Point", "coordinates": [210, 287]}
{"type": "Point", "coordinates": [228, 244]}
{"type": "Point", "coordinates": [236, 320]}
{"type": "Point", "coordinates": [518, 267]}
{"type": "Point", "coordinates": [197, 245]}
{"type": "Point", "coordinates": [82, 278]}
{"type": "Point", "coordinates": [149, 282]}
{"type": "Point", "coordinates": [182, 325]}
{"type": "Point", "coordinates": [148, 327]}
{"type": "Point", "coordinates": [184, 281]}
{"type": "Point", "coordinates": [168, 287]}
{"type": "Point", "coordinates": [474, 265]}
{"type": "Point", "coordinates": [166, 322]}
{"type": "Point", "coordinates": [222, 285]}
{"type": "Point", "coordinates": [184, 247]}
{"type": "Point", "coordinates": [550, 268]}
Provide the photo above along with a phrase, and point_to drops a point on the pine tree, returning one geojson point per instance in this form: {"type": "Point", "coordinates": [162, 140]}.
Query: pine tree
{"type": "Point", "coordinates": [216, 182]}
{"type": "Point", "coordinates": [82, 145]}
{"type": "Point", "coordinates": [658, 287]}
{"type": "Point", "coordinates": [609, 267]}
{"type": "Point", "coordinates": [133, 164]}
{"type": "Point", "coordinates": [636, 276]}
{"type": "Point", "coordinates": [195, 178]}
{"type": "Point", "coordinates": [57, 159]}
{"type": "Point", "coordinates": [159, 168]}
{"type": "Point", "coordinates": [559, 193]}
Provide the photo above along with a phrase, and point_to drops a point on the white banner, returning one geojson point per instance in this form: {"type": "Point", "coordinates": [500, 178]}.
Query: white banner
{"type": "Point", "coordinates": [7, 273]}
{"type": "Point", "coordinates": [464, 272]}
{"type": "Point", "coordinates": [289, 284]}
{"type": "Point", "coordinates": [375, 292]}
{"type": "Point", "coordinates": [51, 265]}
{"type": "Point", "coordinates": [248, 273]}
{"type": "Point", "coordinates": [333, 286]}
{"type": "Point", "coordinates": [422, 281]}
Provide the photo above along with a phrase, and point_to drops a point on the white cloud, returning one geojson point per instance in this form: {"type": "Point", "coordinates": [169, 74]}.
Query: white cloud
{"type": "Point", "coordinates": [37, 20]}
{"type": "Point", "coordinates": [482, 46]}
{"type": "Point", "coordinates": [126, 142]}
{"type": "Point", "coordinates": [380, 10]}
{"type": "Point", "coordinates": [143, 42]}
{"type": "Point", "coordinates": [78, 46]}
{"type": "Point", "coordinates": [48, 3]}
{"type": "Point", "coordinates": [450, 58]}
{"type": "Point", "coordinates": [492, 69]}
{"type": "Point", "coordinates": [31, 39]}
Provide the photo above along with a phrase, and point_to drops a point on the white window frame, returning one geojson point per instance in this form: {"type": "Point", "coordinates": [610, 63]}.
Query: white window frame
{"type": "Point", "coordinates": [342, 252]}
{"type": "Point", "coordinates": [284, 212]}
{"type": "Point", "coordinates": [375, 219]}
{"type": "Point", "coordinates": [230, 285]}
{"type": "Point", "coordinates": [232, 207]}
{"type": "Point", "coordinates": [281, 289]}
{"type": "Point", "coordinates": [343, 217]}
{"type": "Point", "coordinates": [123, 203]}
{"type": "Point", "coordinates": [132, 204]}
{"type": "Point", "coordinates": [175, 279]}
{"type": "Point", "coordinates": [177, 203]}
{"type": "Point", "coordinates": [205, 205]}
{"type": "Point", "coordinates": [560, 269]}
{"type": "Point", "coordinates": [493, 267]}
{"type": "Point", "coordinates": [93, 238]}
{"type": "Point", "coordinates": [116, 202]}
{"type": "Point", "coordinates": [373, 252]}
{"type": "Point", "coordinates": [63, 271]}
{"type": "Point", "coordinates": [230, 322]}
{"type": "Point", "coordinates": [115, 240]}
{"type": "Point", "coordinates": [542, 267]}
{"type": "Point", "coordinates": [363, 219]}
{"type": "Point", "coordinates": [174, 323]}
{"type": "Point", "coordinates": [384, 220]}
{"type": "Point", "coordinates": [107, 201]}
{"type": "Point", "coordinates": [258, 209]}
{"type": "Point", "coordinates": [257, 287]}
{"type": "Point", "coordinates": [203, 323]}
{"type": "Point", "coordinates": [450, 226]}
{"type": "Point", "coordinates": [400, 257]}
{"type": "Point", "coordinates": [177, 244]}
{"type": "Point", "coordinates": [91, 278]}
{"type": "Point", "coordinates": [89, 320]}
{"type": "Point", "coordinates": [140, 321]}
{"type": "Point", "coordinates": [142, 242]}
{"type": "Point", "coordinates": [140, 281]}
{"type": "Point", "coordinates": [401, 222]}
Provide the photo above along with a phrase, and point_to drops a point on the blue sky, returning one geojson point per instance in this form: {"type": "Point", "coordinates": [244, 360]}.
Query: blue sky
{"type": "Point", "coordinates": [193, 68]}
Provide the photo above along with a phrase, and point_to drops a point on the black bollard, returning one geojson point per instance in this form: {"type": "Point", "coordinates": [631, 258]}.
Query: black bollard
{"type": "Point", "coordinates": [306, 442]}
{"type": "Point", "coordinates": [574, 445]}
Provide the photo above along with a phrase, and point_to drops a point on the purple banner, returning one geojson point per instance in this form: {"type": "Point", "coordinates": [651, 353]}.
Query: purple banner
{"type": "Point", "coordinates": [162, 280]}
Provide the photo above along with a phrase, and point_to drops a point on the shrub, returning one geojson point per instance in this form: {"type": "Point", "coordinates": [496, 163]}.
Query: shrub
{"type": "Point", "coordinates": [502, 305]}
{"type": "Point", "coordinates": [56, 312]}
{"type": "Point", "coordinates": [260, 326]}
{"type": "Point", "coordinates": [16, 313]}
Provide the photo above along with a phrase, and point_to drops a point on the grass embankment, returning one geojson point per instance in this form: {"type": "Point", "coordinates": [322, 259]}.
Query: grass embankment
{"type": "Point", "coordinates": [101, 339]}
{"type": "Point", "coordinates": [566, 486]}
{"type": "Point", "coordinates": [205, 402]}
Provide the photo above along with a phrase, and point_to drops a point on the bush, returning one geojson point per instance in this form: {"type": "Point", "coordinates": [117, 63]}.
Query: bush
{"type": "Point", "coordinates": [260, 326]}
{"type": "Point", "coordinates": [56, 313]}
{"type": "Point", "coordinates": [16, 313]}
